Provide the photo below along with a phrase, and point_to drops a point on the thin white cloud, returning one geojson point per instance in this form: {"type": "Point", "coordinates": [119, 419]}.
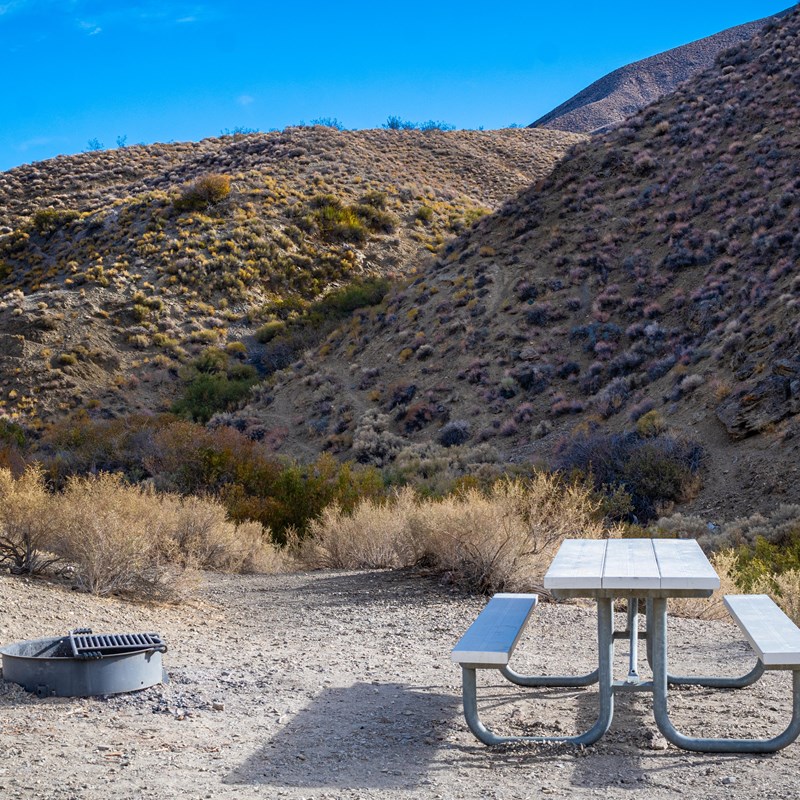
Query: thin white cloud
{"type": "Point", "coordinates": [186, 20]}
{"type": "Point", "coordinates": [36, 141]}
{"type": "Point", "coordinates": [7, 8]}
{"type": "Point", "coordinates": [245, 99]}
{"type": "Point", "coordinates": [91, 28]}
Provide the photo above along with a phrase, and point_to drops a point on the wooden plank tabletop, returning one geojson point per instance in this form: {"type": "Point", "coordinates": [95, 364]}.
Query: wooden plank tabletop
{"type": "Point", "coordinates": [578, 565]}
{"type": "Point", "coordinates": [683, 565]}
{"type": "Point", "coordinates": [631, 565]}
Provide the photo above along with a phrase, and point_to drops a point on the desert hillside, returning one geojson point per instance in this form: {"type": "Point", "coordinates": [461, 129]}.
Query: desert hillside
{"type": "Point", "coordinates": [119, 267]}
{"type": "Point", "coordinates": [652, 275]}
{"type": "Point", "coordinates": [623, 92]}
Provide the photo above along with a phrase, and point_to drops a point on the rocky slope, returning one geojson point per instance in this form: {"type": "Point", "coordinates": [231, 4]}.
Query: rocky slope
{"type": "Point", "coordinates": [116, 267]}
{"type": "Point", "coordinates": [623, 92]}
{"type": "Point", "coordinates": [656, 268]}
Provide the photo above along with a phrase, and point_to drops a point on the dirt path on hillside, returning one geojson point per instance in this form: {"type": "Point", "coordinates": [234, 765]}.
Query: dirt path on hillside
{"type": "Point", "coordinates": [339, 685]}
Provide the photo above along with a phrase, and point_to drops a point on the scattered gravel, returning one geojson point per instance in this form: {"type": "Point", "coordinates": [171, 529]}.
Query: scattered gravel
{"type": "Point", "coordinates": [339, 685]}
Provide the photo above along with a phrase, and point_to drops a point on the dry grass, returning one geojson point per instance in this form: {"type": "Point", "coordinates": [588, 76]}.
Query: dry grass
{"type": "Point", "coordinates": [784, 588]}
{"type": "Point", "coordinates": [486, 542]}
{"type": "Point", "coordinates": [25, 529]}
{"type": "Point", "coordinates": [129, 540]}
{"type": "Point", "coordinates": [119, 539]}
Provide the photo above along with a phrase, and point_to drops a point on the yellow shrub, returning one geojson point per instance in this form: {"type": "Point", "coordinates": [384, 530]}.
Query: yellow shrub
{"type": "Point", "coordinates": [25, 522]}
{"type": "Point", "coordinates": [129, 540]}
{"type": "Point", "coordinates": [485, 542]}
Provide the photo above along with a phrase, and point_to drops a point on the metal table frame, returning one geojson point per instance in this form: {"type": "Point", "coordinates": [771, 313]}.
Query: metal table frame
{"type": "Point", "coordinates": [655, 636]}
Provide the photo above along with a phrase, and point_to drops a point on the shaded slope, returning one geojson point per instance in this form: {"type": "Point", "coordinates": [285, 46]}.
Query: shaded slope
{"type": "Point", "coordinates": [656, 267]}
{"type": "Point", "coordinates": [622, 93]}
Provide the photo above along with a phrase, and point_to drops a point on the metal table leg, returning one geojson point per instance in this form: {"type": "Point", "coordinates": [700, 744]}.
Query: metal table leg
{"type": "Point", "coordinates": [708, 681]}
{"type": "Point", "coordinates": [605, 643]}
{"type": "Point", "coordinates": [661, 709]}
{"type": "Point", "coordinates": [633, 633]}
{"type": "Point", "coordinates": [554, 681]}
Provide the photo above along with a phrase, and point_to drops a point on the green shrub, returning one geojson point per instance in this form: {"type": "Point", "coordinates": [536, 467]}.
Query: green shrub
{"type": "Point", "coordinates": [236, 349]}
{"type": "Point", "coordinates": [374, 218]}
{"type": "Point", "coordinates": [654, 471]}
{"type": "Point", "coordinates": [163, 340]}
{"type": "Point", "coordinates": [763, 559]}
{"type": "Point", "coordinates": [424, 214]}
{"type": "Point", "coordinates": [394, 123]}
{"type": "Point", "coordinates": [355, 295]}
{"type": "Point", "coordinates": [211, 360]}
{"type": "Point", "coordinates": [269, 330]}
{"type": "Point", "coordinates": [205, 395]}
{"type": "Point", "coordinates": [342, 223]}
{"type": "Point", "coordinates": [11, 433]}
{"type": "Point", "coordinates": [48, 220]}
{"type": "Point", "coordinates": [213, 383]}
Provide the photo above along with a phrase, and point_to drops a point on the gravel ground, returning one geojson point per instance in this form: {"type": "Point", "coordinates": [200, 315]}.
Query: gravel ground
{"type": "Point", "coordinates": [339, 685]}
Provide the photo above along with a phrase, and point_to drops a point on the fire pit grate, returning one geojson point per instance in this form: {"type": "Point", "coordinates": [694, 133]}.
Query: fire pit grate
{"type": "Point", "coordinates": [86, 644]}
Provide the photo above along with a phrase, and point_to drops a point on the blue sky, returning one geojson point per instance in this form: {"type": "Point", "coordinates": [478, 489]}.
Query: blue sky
{"type": "Point", "coordinates": [162, 70]}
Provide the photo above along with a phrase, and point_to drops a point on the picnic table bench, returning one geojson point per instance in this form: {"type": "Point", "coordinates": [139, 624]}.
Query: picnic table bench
{"type": "Point", "coordinates": [649, 569]}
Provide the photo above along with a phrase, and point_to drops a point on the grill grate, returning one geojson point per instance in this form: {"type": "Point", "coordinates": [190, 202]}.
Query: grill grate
{"type": "Point", "coordinates": [86, 645]}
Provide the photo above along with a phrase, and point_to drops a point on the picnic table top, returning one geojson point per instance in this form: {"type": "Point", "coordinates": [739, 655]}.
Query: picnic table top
{"type": "Point", "coordinates": [640, 565]}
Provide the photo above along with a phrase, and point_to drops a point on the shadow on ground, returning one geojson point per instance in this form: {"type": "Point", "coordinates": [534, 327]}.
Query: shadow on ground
{"type": "Point", "coordinates": [378, 587]}
{"type": "Point", "coordinates": [366, 736]}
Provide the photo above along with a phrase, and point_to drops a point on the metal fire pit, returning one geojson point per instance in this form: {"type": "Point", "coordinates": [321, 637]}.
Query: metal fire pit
{"type": "Point", "coordinates": [83, 664]}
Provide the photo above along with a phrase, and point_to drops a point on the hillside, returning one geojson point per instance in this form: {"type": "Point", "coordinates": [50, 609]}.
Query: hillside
{"type": "Point", "coordinates": [119, 267]}
{"type": "Point", "coordinates": [654, 269]}
{"type": "Point", "coordinates": [625, 91]}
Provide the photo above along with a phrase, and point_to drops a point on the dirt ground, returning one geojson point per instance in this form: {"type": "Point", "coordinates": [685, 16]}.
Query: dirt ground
{"type": "Point", "coordinates": [339, 685]}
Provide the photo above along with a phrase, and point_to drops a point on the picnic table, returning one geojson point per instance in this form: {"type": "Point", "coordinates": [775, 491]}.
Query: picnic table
{"type": "Point", "coordinates": [649, 570]}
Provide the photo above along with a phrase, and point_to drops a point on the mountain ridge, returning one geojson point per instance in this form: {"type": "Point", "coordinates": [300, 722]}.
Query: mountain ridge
{"type": "Point", "coordinates": [621, 93]}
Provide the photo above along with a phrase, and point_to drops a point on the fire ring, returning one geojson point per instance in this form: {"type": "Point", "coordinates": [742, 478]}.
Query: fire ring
{"type": "Point", "coordinates": [84, 664]}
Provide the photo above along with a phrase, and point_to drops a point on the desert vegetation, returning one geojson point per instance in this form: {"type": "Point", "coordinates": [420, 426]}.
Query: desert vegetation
{"type": "Point", "coordinates": [498, 539]}
{"type": "Point", "coordinates": [108, 536]}
{"type": "Point", "coordinates": [338, 348]}
{"type": "Point", "coordinates": [137, 507]}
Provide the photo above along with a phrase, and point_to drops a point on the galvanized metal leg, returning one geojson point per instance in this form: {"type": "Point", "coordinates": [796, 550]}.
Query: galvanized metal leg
{"type": "Point", "coordinates": [555, 681]}
{"type": "Point", "coordinates": [661, 710]}
{"type": "Point", "coordinates": [708, 681]}
{"type": "Point", "coordinates": [633, 632]}
{"type": "Point", "coordinates": [605, 643]}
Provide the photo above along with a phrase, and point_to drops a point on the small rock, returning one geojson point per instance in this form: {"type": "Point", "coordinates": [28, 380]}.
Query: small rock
{"type": "Point", "coordinates": [728, 780]}
{"type": "Point", "coordinates": [217, 706]}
